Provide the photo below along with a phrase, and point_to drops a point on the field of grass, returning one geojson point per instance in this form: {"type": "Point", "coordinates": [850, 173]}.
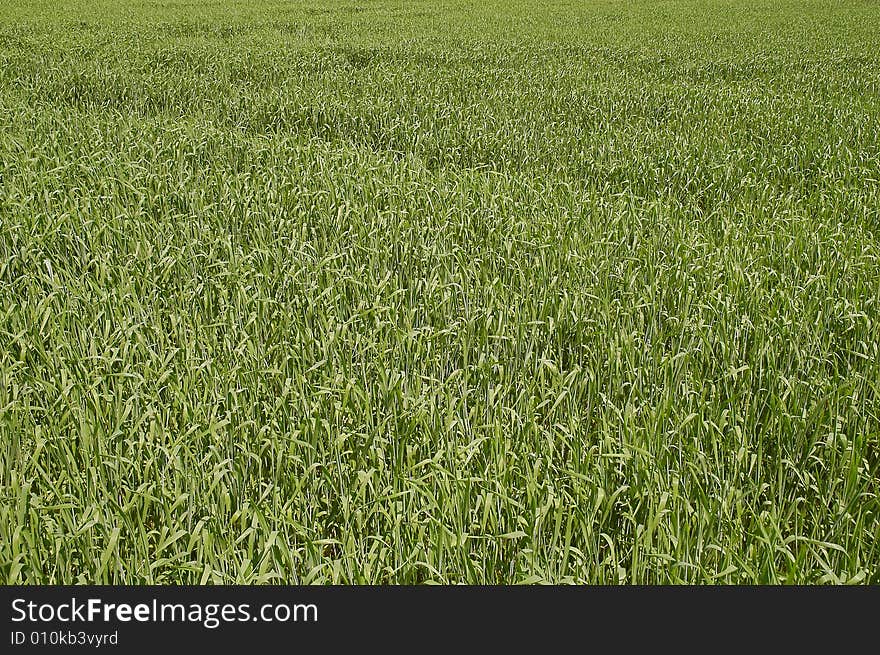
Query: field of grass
{"type": "Point", "coordinates": [374, 291]}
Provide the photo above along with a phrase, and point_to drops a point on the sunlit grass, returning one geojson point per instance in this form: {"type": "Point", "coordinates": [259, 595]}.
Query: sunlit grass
{"type": "Point", "coordinates": [397, 292]}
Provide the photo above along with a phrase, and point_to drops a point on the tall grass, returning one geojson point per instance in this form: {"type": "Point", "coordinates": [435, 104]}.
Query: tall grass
{"type": "Point", "coordinates": [398, 292]}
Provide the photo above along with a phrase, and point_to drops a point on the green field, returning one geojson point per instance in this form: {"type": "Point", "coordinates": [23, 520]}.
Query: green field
{"type": "Point", "coordinates": [403, 292]}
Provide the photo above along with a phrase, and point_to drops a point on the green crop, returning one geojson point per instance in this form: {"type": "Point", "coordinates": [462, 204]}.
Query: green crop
{"type": "Point", "coordinates": [456, 292]}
